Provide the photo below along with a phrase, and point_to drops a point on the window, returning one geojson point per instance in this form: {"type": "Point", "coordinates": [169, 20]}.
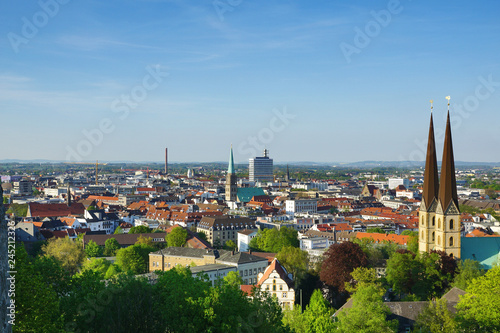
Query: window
{"type": "Point", "coordinates": [433, 236]}
{"type": "Point", "coordinates": [246, 272]}
{"type": "Point", "coordinates": [422, 235]}
{"type": "Point", "coordinates": [439, 240]}
{"type": "Point", "coordinates": [439, 224]}
{"type": "Point", "coordinates": [255, 271]}
{"type": "Point", "coordinates": [423, 221]}
{"type": "Point", "coordinates": [281, 287]}
{"type": "Point", "coordinates": [284, 294]}
{"type": "Point", "coordinates": [433, 221]}
{"type": "Point", "coordinates": [274, 285]}
{"type": "Point", "coordinates": [451, 224]}
{"type": "Point", "coordinates": [451, 241]}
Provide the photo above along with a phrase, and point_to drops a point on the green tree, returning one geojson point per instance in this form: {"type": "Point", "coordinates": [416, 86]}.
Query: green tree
{"type": "Point", "coordinates": [295, 261]}
{"type": "Point", "coordinates": [36, 300]}
{"type": "Point", "coordinates": [118, 230]}
{"type": "Point", "coordinates": [361, 277]}
{"type": "Point", "coordinates": [5, 200]}
{"type": "Point", "coordinates": [377, 230]}
{"type": "Point", "coordinates": [230, 245]}
{"type": "Point", "coordinates": [93, 250]}
{"type": "Point", "coordinates": [134, 259]}
{"type": "Point", "coordinates": [177, 237]}
{"type": "Point", "coordinates": [318, 314]}
{"type": "Point", "coordinates": [140, 229]}
{"type": "Point", "coordinates": [468, 270]}
{"type": "Point", "coordinates": [19, 210]}
{"type": "Point", "coordinates": [367, 314]}
{"type": "Point", "coordinates": [273, 240]}
{"type": "Point", "coordinates": [111, 246]}
{"type": "Point", "coordinates": [478, 310]}
{"type": "Point", "coordinates": [436, 318]}
{"type": "Point", "coordinates": [233, 279]}
{"type": "Point", "coordinates": [69, 253]}
{"type": "Point", "coordinates": [202, 235]}
{"type": "Point", "coordinates": [99, 265]}
{"type": "Point", "coordinates": [145, 240]}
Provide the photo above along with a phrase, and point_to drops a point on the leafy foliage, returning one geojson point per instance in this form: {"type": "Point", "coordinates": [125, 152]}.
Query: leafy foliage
{"type": "Point", "coordinates": [140, 229]}
{"type": "Point", "coordinates": [233, 279]}
{"type": "Point", "coordinates": [367, 314]}
{"type": "Point", "coordinates": [69, 253]}
{"type": "Point", "coordinates": [177, 237]}
{"type": "Point", "coordinates": [18, 209]}
{"type": "Point", "coordinates": [93, 250]}
{"type": "Point", "coordinates": [436, 318]}
{"type": "Point", "coordinates": [111, 246]}
{"type": "Point", "coordinates": [230, 245]}
{"type": "Point", "coordinates": [273, 240]}
{"type": "Point", "coordinates": [424, 275]}
{"type": "Point", "coordinates": [134, 258]}
{"type": "Point", "coordinates": [295, 261]}
{"type": "Point", "coordinates": [339, 262]}
{"type": "Point", "coordinates": [468, 270]}
{"type": "Point", "coordinates": [478, 310]}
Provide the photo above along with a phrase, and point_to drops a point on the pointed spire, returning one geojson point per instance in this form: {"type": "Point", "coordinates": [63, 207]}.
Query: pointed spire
{"type": "Point", "coordinates": [230, 169]}
{"type": "Point", "coordinates": [431, 185]}
{"type": "Point", "coordinates": [448, 183]}
{"type": "Point", "coordinates": [68, 196]}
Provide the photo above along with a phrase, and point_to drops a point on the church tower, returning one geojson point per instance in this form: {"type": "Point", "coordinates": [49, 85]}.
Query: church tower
{"type": "Point", "coordinates": [439, 216]}
{"type": "Point", "coordinates": [231, 186]}
{"type": "Point", "coordinates": [447, 211]}
{"type": "Point", "coordinates": [427, 213]}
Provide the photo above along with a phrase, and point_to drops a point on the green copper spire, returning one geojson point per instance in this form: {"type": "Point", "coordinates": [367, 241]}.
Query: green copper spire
{"type": "Point", "coordinates": [230, 168]}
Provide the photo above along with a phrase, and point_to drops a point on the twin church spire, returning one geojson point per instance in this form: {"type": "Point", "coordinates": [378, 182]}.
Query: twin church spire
{"type": "Point", "coordinates": [439, 216]}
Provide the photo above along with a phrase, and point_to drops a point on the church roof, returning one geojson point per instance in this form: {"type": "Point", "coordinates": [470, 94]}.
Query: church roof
{"type": "Point", "coordinates": [430, 191]}
{"type": "Point", "coordinates": [230, 168]}
{"type": "Point", "coordinates": [448, 183]}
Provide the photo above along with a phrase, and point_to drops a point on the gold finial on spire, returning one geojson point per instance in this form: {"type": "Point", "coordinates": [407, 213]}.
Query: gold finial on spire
{"type": "Point", "coordinates": [431, 104]}
{"type": "Point", "coordinates": [448, 98]}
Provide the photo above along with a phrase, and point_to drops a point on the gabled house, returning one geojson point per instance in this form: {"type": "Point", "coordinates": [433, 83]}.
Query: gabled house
{"type": "Point", "coordinates": [276, 281]}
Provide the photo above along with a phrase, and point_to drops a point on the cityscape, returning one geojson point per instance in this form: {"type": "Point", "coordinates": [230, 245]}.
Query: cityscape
{"type": "Point", "coordinates": [250, 167]}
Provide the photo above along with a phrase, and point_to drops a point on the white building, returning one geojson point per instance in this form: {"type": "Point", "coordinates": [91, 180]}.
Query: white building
{"type": "Point", "coordinates": [395, 182]}
{"type": "Point", "coordinates": [276, 281]}
{"type": "Point", "coordinates": [300, 206]}
{"type": "Point", "coordinates": [244, 238]}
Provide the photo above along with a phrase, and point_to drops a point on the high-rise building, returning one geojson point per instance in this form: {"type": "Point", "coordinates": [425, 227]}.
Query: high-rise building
{"type": "Point", "coordinates": [231, 180]}
{"type": "Point", "coordinates": [439, 216]}
{"type": "Point", "coordinates": [261, 168]}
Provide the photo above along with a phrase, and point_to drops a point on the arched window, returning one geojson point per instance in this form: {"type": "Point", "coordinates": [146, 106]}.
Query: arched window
{"type": "Point", "coordinates": [423, 221]}
{"type": "Point", "coordinates": [433, 236]}
{"type": "Point", "coordinates": [433, 221]}
{"type": "Point", "coordinates": [439, 223]}
{"type": "Point", "coordinates": [451, 225]}
{"type": "Point", "coordinates": [274, 285]}
{"type": "Point", "coordinates": [451, 241]}
{"type": "Point", "coordinates": [439, 240]}
{"type": "Point", "coordinates": [422, 235]}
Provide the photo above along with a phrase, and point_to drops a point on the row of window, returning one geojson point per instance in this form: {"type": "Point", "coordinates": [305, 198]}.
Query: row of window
{"type": "Point", "coordinates": [451, 241]}
{"type": "Point", "coordinates": [451, 223]}
{"type": "Point", "coordinates": [248, 272]}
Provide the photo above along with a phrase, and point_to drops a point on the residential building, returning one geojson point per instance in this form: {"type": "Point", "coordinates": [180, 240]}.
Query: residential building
{"type": "Point", "coordinates": [220, 229]}
{"type": "Point", "coordinates": [301, 206]}
{"type": "Point", "coordinates": [244, 238]}
{"type": "Point", "coordinates": [261, 168]}
{"type": "Point", "coordinates": [276, 281]}
{"type": "Point", "coordinates": [395, 182]}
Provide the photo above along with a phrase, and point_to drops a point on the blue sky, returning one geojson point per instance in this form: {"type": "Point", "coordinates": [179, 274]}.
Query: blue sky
{"type": "Point", "coordinates": [326, 81]}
